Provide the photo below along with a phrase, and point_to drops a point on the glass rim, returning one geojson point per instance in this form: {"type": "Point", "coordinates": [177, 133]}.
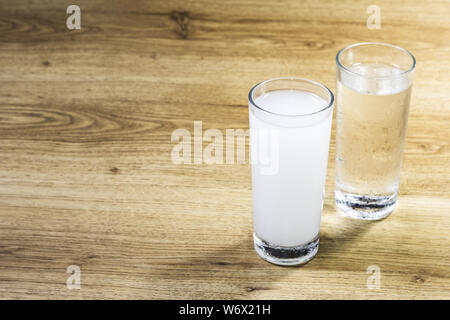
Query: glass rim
{"type": "Point", "coordinates": [382, 44]}
{"type": "Point", "coordinates": [318, 84]}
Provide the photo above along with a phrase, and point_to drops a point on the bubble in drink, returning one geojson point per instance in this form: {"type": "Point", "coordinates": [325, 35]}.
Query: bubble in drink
{"type": "Point", "coordinates": [372, 114]}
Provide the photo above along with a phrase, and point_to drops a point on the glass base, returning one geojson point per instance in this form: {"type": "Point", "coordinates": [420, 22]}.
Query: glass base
{"type": "Point", "coordinates": [286, 256]}
{"type": "Point", "coordinates": [365, 207]}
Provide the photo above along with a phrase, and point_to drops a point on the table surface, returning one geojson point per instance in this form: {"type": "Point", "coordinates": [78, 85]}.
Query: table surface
{"type": "Point", "coordinates": [86, 175]}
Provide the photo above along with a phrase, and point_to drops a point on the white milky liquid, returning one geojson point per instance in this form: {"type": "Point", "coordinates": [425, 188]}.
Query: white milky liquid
{"type": "Point", "coordinates": [288, 205]}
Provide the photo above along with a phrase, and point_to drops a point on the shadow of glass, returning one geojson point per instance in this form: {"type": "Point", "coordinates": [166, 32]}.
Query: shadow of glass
{"type": "Point", "coordinates": [237, 272]}
{"type": "Point", "coordinates": [229, 272]}
{"type": "Point", "coordinates": [339, 233]}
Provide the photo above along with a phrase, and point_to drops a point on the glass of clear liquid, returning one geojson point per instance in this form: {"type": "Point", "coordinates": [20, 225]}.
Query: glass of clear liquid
{"type": "Point", "coordinates": [290, 125]}
{"type": "Point", "coordinates": [374, 83]}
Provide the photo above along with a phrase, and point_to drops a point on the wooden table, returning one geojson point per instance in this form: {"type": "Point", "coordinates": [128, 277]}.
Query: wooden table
{"type": "Point", "coordinates": [86, 176]}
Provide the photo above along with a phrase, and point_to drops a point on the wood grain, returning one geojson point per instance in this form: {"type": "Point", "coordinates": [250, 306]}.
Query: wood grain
{"type": "Point", "coordinates": [86, 176]}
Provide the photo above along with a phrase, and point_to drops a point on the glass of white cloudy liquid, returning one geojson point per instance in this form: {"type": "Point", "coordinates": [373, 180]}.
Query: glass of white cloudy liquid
{"type": "Point", "coordinates": [373, 93]}
{"type": "Point", "coordinates": [290, 125]}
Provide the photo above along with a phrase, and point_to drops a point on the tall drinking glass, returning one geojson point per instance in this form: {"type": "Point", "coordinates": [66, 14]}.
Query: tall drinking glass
{"type": "Point", "coordinates": [374, 83]}
{"type": "Point", "coordinates": [290, 124]}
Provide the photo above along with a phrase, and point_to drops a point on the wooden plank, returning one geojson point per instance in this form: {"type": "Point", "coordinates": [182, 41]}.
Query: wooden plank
{"type": "Point", "coordinates": [86, 176]}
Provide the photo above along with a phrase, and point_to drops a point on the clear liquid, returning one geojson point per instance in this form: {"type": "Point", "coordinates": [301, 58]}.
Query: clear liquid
{"type": "Point", "coordinates": [371, 124]}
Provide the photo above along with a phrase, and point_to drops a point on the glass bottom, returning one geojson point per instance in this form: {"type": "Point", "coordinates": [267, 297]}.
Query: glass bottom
{"type": "Point", "coordinates": [286, 256]}
{"type": "Point", "coordinates": [365, 207]}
